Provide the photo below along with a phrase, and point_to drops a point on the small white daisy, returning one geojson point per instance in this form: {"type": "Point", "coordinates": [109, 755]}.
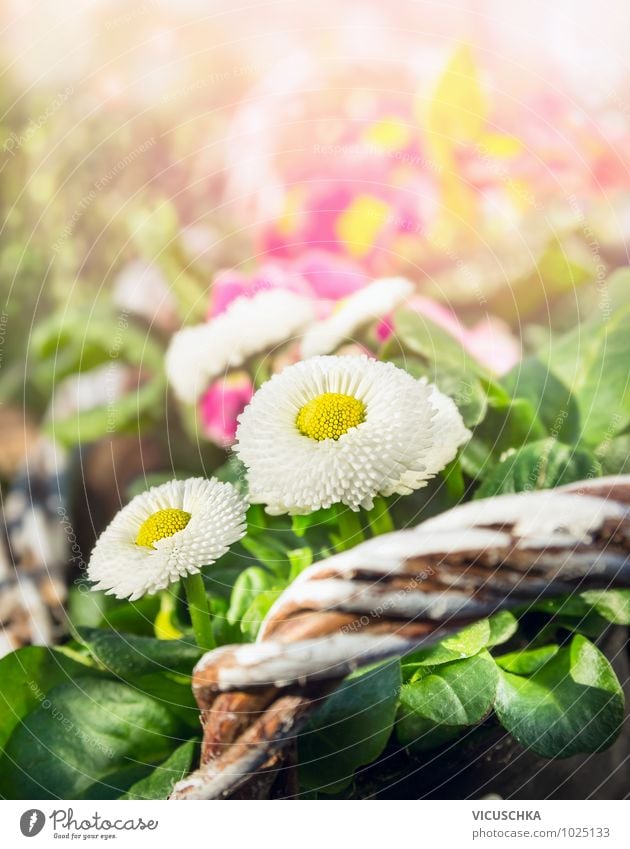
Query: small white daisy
{"type": "Point", "coordinates": [198, 354]}
{"type": "Point", "coordinates": [344, 429]}
{"type": "Point", "coordinates": [166, 533]}
{"type": "Point", "coordinates": [371, 303]}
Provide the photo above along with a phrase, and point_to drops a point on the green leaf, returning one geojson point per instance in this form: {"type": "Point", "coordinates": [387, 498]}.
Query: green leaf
{"type": "Point", "coordinates": [503, 625]}
{"type": "Point", "coordinates": [572, 704]}
{"type": "Point", "coordinates": [476, 458]}
{"type": "Point", "coordinates": [570, 605]}
{"type": "Point", "coordinates": [133, 617]}
{"type": "Point", "coordinates": [174, 693]}
{"type": "Point", "coordinates": [94, 609]}
{"type": "Point", "coordinates": [129, 656]}
{"type": "Point", "coordinates": [269, 553]}
{"type": "Point", "coordinates": [159, 783]}
{"type": "Point", "coordinates": [233, 471]}
{"type": "Point", "coordinates": [454, 695]}
{"type": "Point", "coordinates": [539, 465]}
{"type": "Point", "coordinates": [256, 612]}
{"type": "Point", "coordinates": [592, 360]}
{"type": "Point", "coordinates": [464, 386]}
{"type": "Point", "coordinates": [350, 729]}
{"type": "Point", "coordinates": [552, 401]}
{"type": "Point", "coordinates": [84, 734]}
{"type": "Point", "coordinates": [466, 643]}
{"type": "Point", "coordinates": [614, 455]}
{"type": "Point", "coordinates": [527, 662]}
{"type": "Point", "coordinates": [322, 519]}
{"type": "Point", "coordinates": [78, 342]}
{"type": "Point", "coordinates": [509, 424]}
{"type": "Point", "coordinates": [300, 559]}
{"type": "Point", "coordinates": [562, 266]}
{"type": "Point", "coordinates": [27, 675]}
{"type": "Point", "coordinates": [249, 584]}
{"type": "Point", "coordinates": [122, 417]}
{"type": "Point", "coordinates": [420, 335]}
{"type": "Point", "coordinates": [613, 605]}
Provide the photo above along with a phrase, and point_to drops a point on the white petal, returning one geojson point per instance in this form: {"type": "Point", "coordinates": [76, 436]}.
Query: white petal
{"type": "Point", "coordinates": [371, 303]}
{"type": "Point", "coordinates": [198, 354]}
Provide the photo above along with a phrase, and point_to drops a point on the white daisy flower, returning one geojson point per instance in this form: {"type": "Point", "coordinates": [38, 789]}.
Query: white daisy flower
{"type": "Point", "coordinates": [371, 303]}
{"type": "Point", "coordinates": [344, 429]}
{"type": "Point", "coordinates": [198, 354]}
{"type": "Point", "coordinates": [166, 533]}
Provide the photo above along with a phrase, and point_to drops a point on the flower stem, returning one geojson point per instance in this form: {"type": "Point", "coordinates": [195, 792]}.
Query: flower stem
{"type": "Point", "coordinates": [379, 519]}
{"type": "Point", "coordinates": [350, 530]}
{"type": "Point", "coordinates": [199, 611]}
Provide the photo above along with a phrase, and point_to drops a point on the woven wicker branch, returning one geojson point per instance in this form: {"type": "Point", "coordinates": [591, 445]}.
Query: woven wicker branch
{"type": "Point", "coordinates": [34, 550]}
{"type": "Point", "coordinates": [389, 596]}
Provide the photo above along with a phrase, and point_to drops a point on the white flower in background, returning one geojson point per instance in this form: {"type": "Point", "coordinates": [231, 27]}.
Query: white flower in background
{"type": "Point", "coordinates": [166, 533]}
{"type": "Point", "coordinates": [373, 302]}
{"type": "Point", "coordinates": [248, 326]}
{"type": "Point", "coordinates": [344, 429]}
{"type": "Point", "coordinates": [142, 289]}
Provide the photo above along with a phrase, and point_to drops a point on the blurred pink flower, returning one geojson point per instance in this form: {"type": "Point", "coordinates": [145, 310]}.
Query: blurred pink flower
{"type": "Point", "coordinates": [358, 214]}
{"type": "Point", "coordinates": [317, 274]}
{"type": "Point", "coordinates": [221, 405]}
{"type": "Point", "coordinates": [330, 277]}
{"type": "Point", "coordinates": [231, 284]}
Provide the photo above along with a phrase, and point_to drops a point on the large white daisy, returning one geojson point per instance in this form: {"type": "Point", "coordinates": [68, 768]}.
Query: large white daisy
{"type": "Point", "coordinates": [166, 533]}
{"type": "Point", "coordinates": [371, 303]}
{"type": "Point", "coordinates": [344, 429]}
{"type": "Point", "coordinates": [198, 354]}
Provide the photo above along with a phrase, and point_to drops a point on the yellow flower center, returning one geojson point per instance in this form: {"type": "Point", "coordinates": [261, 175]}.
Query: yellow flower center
{"type": "Point", "coordinates": [330, 415]}
{"type": "Point", "coordinates": [162, 524]}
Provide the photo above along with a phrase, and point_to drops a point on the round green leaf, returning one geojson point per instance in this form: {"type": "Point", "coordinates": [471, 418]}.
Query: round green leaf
{"type": "Point", "coordinates": [571, 704]}
{"type": "Point", "coordinates": [452, 695]}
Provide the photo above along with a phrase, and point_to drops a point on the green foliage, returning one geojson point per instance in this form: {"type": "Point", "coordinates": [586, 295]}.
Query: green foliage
{"type": "Point", "coordinates": [350, 729]}
{"type": "Point", "coordinates": [27, 675]}
{"type": "Point", "coordinates": [612, 605]}
{"type": "Point", "coordinates": [98, 610]}
{"type": "Point", "coordinates": [573, 703]}
{"type": "Point", "coordinates": [129, 656]}
{"type": "Point", "coordinates": [503, 626]}
{"type": "Point", "coordinates": [442, 700]}
{"type": "Point", "coordinates": [76, 343]}
{"type": "Point", "coordinates": [159, 783]}
{"type": "Point", "coordinates": [539, 465]}
{"type": "Point", "coordinates": [87, 735]}
{"type": "Point", "coordinates": [614, 455]}
{"type": "Point", "coordinates": [527, 662]}
{"type": "Point", "coordinates": [466, 643]}
{"type": "Point", "coordinates": [553, 403]}
{"type": "Point", "coordinates": [592, 360]}
{"type": "Point", "coordinates": [419, 335]}
{"type": "Point", "coordinates": [509, 424]}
